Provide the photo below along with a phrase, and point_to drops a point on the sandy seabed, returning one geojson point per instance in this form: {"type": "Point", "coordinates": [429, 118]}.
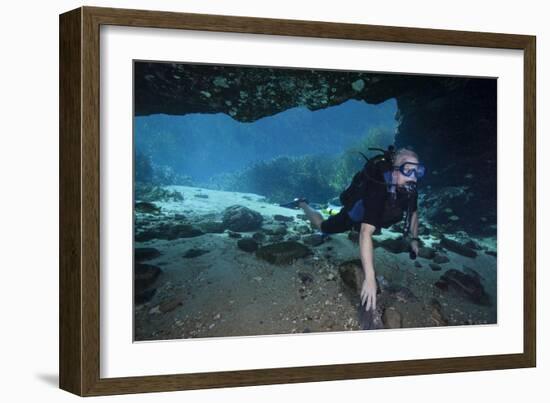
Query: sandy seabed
{"type": "Point", "coordinates": [229, 292]}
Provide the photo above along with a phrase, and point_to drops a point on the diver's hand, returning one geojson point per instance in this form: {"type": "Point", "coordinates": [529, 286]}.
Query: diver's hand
{"type": "Point", "coordinates": [368, 293]}
{"type": "Point", "coordinates": [414, 246]}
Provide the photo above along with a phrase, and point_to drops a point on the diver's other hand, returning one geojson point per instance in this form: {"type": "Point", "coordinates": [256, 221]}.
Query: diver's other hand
{"type": "Point", "coordinates": [368, 293]}
{"type": "Point", "coordinates": [414, 246]}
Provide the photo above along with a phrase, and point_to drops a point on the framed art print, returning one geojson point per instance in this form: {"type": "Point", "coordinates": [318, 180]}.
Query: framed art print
{"type": "Point", "coordinates": [250, 201]}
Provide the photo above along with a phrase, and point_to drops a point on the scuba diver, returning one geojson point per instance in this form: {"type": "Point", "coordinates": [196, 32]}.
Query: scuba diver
{"type": "Point", "coordinates": [380, 195]}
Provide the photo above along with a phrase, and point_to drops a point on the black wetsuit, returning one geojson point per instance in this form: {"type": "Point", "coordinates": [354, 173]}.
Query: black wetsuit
{"type": "Point", "coordinates": [380, 206]}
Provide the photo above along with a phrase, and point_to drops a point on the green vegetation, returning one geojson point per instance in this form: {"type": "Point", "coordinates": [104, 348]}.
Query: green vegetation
{"type": "Point", "coordinates": [146, 172]}
{"type": "Point", "coordinates": [317, 177]}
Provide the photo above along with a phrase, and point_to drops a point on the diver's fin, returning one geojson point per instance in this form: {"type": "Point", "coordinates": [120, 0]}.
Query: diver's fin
{"type": "Point", "coordinates": [294, 203]}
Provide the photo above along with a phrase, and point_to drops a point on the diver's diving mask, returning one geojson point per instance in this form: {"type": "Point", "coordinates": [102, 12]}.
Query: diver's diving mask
{"type": "Point", "coordinates": [409, 168]}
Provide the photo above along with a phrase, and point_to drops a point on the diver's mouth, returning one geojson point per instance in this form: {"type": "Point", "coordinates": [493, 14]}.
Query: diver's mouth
{"type": "Point", "coordinates": [409, 186]}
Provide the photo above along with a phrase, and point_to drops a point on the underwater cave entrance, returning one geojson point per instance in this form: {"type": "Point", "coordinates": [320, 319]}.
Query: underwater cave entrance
{"type": "Point", "coordinates": [302, 147]}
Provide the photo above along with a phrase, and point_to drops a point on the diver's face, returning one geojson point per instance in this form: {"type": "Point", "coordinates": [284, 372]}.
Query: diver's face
{"type": "Point", "coordinates": [401, 179]}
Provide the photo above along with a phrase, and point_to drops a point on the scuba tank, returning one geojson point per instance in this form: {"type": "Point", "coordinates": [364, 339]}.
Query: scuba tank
{"type": "Point", "coordinates": [372, 171]}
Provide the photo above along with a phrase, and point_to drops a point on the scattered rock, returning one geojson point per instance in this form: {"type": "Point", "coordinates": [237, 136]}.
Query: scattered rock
{"type": "Point", "coordinates": [417, 264]}
{"type": "Point", "coordinates": [212, 227]}
{"type": "Point", "coordinates": [305, 278]}
{"type": "Point", "coordinates": [303, 229]}
{"type": "Point", "coordinates": [457, 247]}
{"type": "Point", "coordinates": [143, 254]}
{"type": "Point", "coordinates": [426, 252]}
{"type": "Point", "coordinates": [247, 244]}
{"type": "Point", "coordinates": [276, 238]}
{"type": "Point", "coordinates": [283, 252]}
{"type": "Point", "coordinates": [182, 231]}
{"type": "Point", "coordinates": [382, 282]}
{"type": "Point", "coordinates": [392, 318]}
{"type": "Point", "coordinates": [201, 196]}
{"type": "Point", "coordinates": [146, 207]}
{"type": "Point", "coordinates": [152, 193]}
{"type": "Point", "coordinates": [472, 244]}
{"type": "Point", "coordinates": [440, 259]}
{"type": "Point", "coordinates": [145, 275]}
{"type": "Point", "coordinates": [491, 253]}
{"type": "Point", "coordinates": [154, 310]}
{"type": "Point", "coordinates": [194, 252]}
{"type": "Point", "coordinates": [352, 275]}
{"type": "Point", "coordinates": [471, 272]}
{"type": "Point", "coordinates": [144, 236]}
{"type": "Point", "coordinates": [436, 314]}
{"type": "Point", "coordinates": [464, 285]}
{"type": "Point", "coordinates": [283, 218]}
{"type": "Point", "coordinates": [240, 218]}
{"type": "Point", "coordinates": [232, 234]}
{"type": "Point", "coordinates": [398, 245]}
{"type": "Point", "coordinates": [258, 237]}
{"type": "Point", "coordinates": [435, 267]}
{"type": "Point", "coordinates": [144, 296]}
{"type": "Point", "coordinates": [371, 319]}
{"type": "Point", "coordinates": [313, 239]}
{"type": "Point", "coordinates": [358, 85]}
{"type": "Point", "coordinates": [169, 232]}
{"type": "Point", "coordinates": [170, 305]}
{"type": "Point", "coordinates": [442, 285]}
{"type": "Point", "coordinates": [402, 294]}
{"type": "Point", "coordinates": [275, 229]}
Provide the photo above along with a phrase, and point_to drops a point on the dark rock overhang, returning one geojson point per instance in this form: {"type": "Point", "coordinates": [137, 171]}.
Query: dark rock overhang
{"type": "Point", "coordinates": [250, 93]}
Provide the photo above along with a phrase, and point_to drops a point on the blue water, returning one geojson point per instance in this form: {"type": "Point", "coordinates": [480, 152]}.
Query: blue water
{"type": "Point", "coordinates": [204, 145]}
{"type": "Point", "coordinates": [185, 237]}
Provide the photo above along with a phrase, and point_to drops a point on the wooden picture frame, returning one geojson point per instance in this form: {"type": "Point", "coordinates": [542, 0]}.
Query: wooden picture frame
{"type": "Point", "coordinates": [79, 200]}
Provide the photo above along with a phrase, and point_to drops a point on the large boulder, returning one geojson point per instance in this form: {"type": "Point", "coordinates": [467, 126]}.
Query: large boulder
{"type": "Point", "coordinates": [352, 275]}
{"type": "Point", "coordinates": [283, 252]}
{"type": "Point", "coordinates": [143, 254]}
{"type": "Point", "coordinates": [275, 229]}
{"type": "Point", "coordinates": [457, 247]}
{"type": "Point", "coordinates": [398, 245]}
{"type": "Point", "coordinates": [392, 318]}
{"type": "Point", "coordinates": [168, 232]}
{"type": "Point", "coordinates": [212, 227]}
{"type": "Point", "coordinates": [145, 275]}
{"type": "Point", "coordinates": [241, 219]}
{"type": "Point", "coordinates": [247, 244]}
{"type": "Point", "coordinates": [426, 252]}
{"type": "Point", "coordinates": [313, 239]}
{"type": "Point", "coordinates": [464, 285]}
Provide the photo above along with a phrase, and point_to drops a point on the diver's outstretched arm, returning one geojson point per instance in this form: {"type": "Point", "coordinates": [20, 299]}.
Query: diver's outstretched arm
{"type": "Point", "coordinates": [366, 249]}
